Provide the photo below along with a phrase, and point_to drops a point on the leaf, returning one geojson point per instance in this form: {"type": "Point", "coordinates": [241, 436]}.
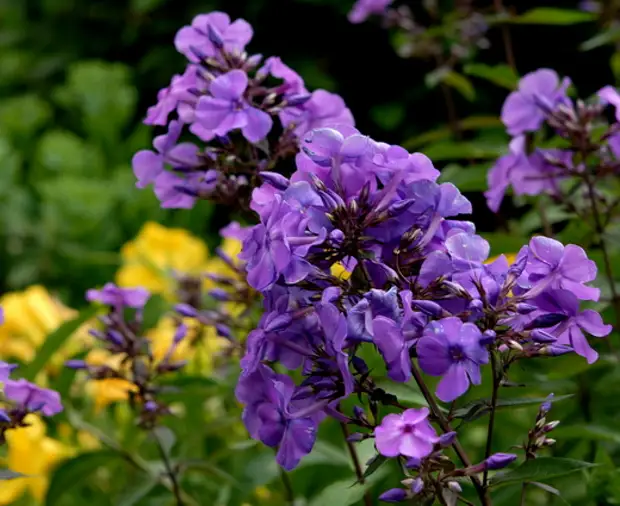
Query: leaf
{"type": "Point", "coordinates": [548, 488]}
{"type": "Point", "coordinates": [466, 178]}
{"type": "Point", "coordinates": [551, 16]}
{"type": "Point", "coordinates": [165, 438]}
{"type": "Point", "coordinates": [324, 453]}
{"type": "Point", "coordinates": [609, 36]}
{"type": "Point", "coordinates": [388, 116]}
{"type": "Point", "coordinates": [74, 471]}
{"type": "Point", "coordinates": [341, 493]}
{"type": "Point", "coordinates": [470, 123]}
{"type": "Point", "coordinates": [453, 79]}
{"type": "Point", "coordinates": [54, 342]}
{"type": "Point", "coordinates": [138, 491]}
{"type": "Point", "coordinates": [480, 407]}
{"type": "Point", "coordinates": [374, 464]}
{"type": "Point", "coordinates": [501, 75]}
{"type": "Point", "coordinates": [7, 474]}
{"type": "Point", "coordinates": [450, 150]}
{"type": "Point", "coordinates": [405, 392]}
{"type": "Point", "coordinates": [589, 432]}
{"type": "Point", "coordinates": [155, 307]}
{"type": "Point", "coordinates": [543, 468]}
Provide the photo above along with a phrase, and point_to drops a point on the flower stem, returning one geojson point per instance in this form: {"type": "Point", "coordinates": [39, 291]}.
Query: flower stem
{"type": "Point", "coordinates": [489, 445]}
{"type": "Point", "coordinates": [176, 489]}
{"type": "Point", "coordinates": [288, 487]}
{"type": "Point", "coordinates": [445, 427]}
{"type": "Point", "coordinates": [356, 462]}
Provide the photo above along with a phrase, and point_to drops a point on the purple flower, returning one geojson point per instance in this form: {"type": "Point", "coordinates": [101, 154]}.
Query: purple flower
{"type": "Point", "coordinates": [452, 349]}
{"type": "Point", "coordinates": [5, 371]}
{"type": "Point", "coordinates": [392, 345]}
{"type": "Point", "coordinates": [409, 434]}
{"type": "Point", "coordinates": [208, 31]}
{"type": "Point", "coordinates": [551, 264]}
{"type": "Point", "coordinates": [609, 95]}
{"type": "Point", "coordinates": [227, 109]}
{"type": "Point", "coordinates": [112, 295]}
{"type": "Point", "coordinates": [499, 177]}
{"type": "Point", "coordinates": [375, 303]}
{"type": "Point", "coordinates": [539, 93]}
{"type": "Point", "coordinates": [365, 8]}
{"type": "Point", "coordinates": [415, 166]}
{"type": "Point", "coordinates": [31, 397]}
{"type": "Point", "coordinates": [147, 165]}
{"type": "Point", "coordinates": [293, 84]}
{"type": "Point", "coordinates": [270, 415]}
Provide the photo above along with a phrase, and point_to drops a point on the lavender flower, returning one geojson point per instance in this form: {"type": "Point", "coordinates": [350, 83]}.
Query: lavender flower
{"type": "Point", "coordinates": [112, 295]}
{"type": "Point", "coordinates": [365, 8]}
{"type": "Point", "coordinates": [409, 434]}
{"type": "Point", "coordinates": [29, 397]}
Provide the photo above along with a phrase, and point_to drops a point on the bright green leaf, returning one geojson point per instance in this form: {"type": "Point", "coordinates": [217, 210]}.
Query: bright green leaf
{"type": "Point", "coordinates": [501, 75]}
{"type": "Point", "coordinates": [551, 16]}
{"type": "Point", "coordinates": [469, 178]}
{"type": "Point", "coordinates": [540, 469]}
{"type": "Point", "coordinates": [54, 342]}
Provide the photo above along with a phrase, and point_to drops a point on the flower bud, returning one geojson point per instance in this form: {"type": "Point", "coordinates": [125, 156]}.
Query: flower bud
{"type": "Point", "coordinates": [514, 345]}
{"type": "Point", "coordinates": [541, 336]}
{"type": "Point", "coordinates": [359, 365]}
{"type": "Point", "coordinates": [417, 486]}
{"type": "Point", "coordinates": [551, 425]}
{"type": "Point", "coordinates": [297, 100]}
{"type": "Point", "coordinates": [488, 337]}
{"type": "Point", "coordinates": [214, 37]}
{"type": "Point", "coordinates": [428, 307]}
{"type": "Point", "coordinates": [180, 333]}
{"type": "Point", "coordinates": [76, 364]}
{"type": "Point", "coordinates": [219, 294]}
{"type": "Point", "coordinates": [223, 330]}
{"type": "Point", "coordinates": [393, 495]}
{"type": "Point", "coordinates": [356, 437]}
{"type": "Point", "coordinates": [279, 322]}
{"type": "Point", "coordinates": [546, 321]}
{"type": "Point", "coordinates": [447, 439]}
{"type": "Point", "coordinates": [524, 308]}
{"type": "Point", "coordinates": [276, 180]}
{"type": "Point", "coordinates": [455, 486]}
{"type": "Point", "coordinates": [186, 310]}
{"type": "Point", "coordinates": [499, 461]}
{"type": "Point", "coordinates": [549, 442]}
{"type": "Point", "coordinates": [413, 463]}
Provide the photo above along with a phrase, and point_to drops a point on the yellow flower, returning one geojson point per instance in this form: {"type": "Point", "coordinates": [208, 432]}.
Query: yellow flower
{"type": "Point", "coordinates": [32, 453]}
{"type": "Point", "coordinates": [510, 257]}
{"type": "Point", "coordinates": [108, 390]}
{"type": "Point", "coordinates": [30, 315]}
{"type": "Point", "coordinates": [338, 270]}
{"type": "Point", "coordinates": [151, 258]}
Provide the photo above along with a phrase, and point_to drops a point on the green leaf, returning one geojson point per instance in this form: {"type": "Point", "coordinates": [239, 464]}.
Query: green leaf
{"type": "Point", "coordinates": [450, 150]}
{"type": "Point", "coordinates": [388, 116]}
{"type": "Point", "coordinates": [54, 342]}
{"type": "Point", "coordinates": [374, 464]}
{"type": "Point", "coordinates": [7, 474]}
{"type": "Point", "coordinates": [155, 307]}
{"type": "Point", "coordinates": [342, 493]}
{"type": "Point", "coordinates": [139, 489]}
{"type": "Point", "coordinates": [324, 453]}
{"type": "Point", "coordinates": [501, 75]}
{"type": "Point", "coordinates": [589, 432]}
{"type": "Point", "coordinates": [64, 152]}
{"type": "Point", "coordinates": [165, 438]}
{"type": "Point", "coordinates": [540, 469]}
{"type": "Point", "coordinates": [74, 471]}
{"type": "Point", "coordinates": [453, 79]}
{"type": "Point", "coordinates": [480, 407]}
{"type": "Point", "coordinates": [551, 16]}
{"type": "Point", "coordinates": [22, 116]}
{"type": "Point", "coordinates": [466, 178]}
{"type": "Point", "coordinates": [609, 36]}
{"type": "Point", "coordinates": [470, 123]}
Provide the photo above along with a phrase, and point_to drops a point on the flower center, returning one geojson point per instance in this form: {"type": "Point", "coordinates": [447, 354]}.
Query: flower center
{"type": "Point", "coordinates": [408, 428]}
{"type": "Point", "coordinates": [456, 353]}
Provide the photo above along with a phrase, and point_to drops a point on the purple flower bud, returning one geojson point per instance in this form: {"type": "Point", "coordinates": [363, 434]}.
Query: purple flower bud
{"type": "Point", "coordinates": [186, 310]}
{"type": "Point", "coordinates": [276, 180]}
{"type": "Point", "coordinates": [417, 486]}
{"type": "Point", "coordinates": [297, 100]}
{"type": "Point", "coordinates": [540, 336]}
{"type": "Point", "coordinates": [115, 337]}
{"type": "Point", "coordinates": [545, 407]}
{"type": "Point", "coordinates": [223, 330]}
{"type": "Point", "coordinates": [546, 321]}
{"type": "Point", "coordinates": [97, 334]}
{"type": "Point", "coordinates": [358, 412]}
{"type": "Point", "coordinates": [180, 333]}
{"type": "Point", "coordinates": [499, 461]}
{"type": "Point", "coordinates": [76, 364]}
{"type": "Point", "coordinates": [447, 439]}
{"type": "Point", "coordinates": [518, 267]}
{"type": "Point", "coordinates": [413, 463]}
{"type": "Point", "coordinates": [4, 417]}
{"type": "Point", "coordinates": [279, 322]}
{"type": "Point", "coordinates": [525, 308]}
{"type": "Point", "coordinates": [488, 337]}
{"type": "Point", "coordinates": [476, 306]}
{"type": "Point", "coordinates": [214, 37]}
{"type": "Point", "coordinates": [356, 437]}
{"type": "Point", "coordinates": [428, 307]}
{"type": "Point", "coordinates": [336, 236]}
{"type": "Point", "coordinates": [359, 365]}
{"type": "Point", "coordinates": [6, 370]}
{"type": "Point", "coordinates": [220, 294]}
{"type": "Point", "coordinates": [393, 495]}
{"type": "Point", "coordinates": [150, 406]}
{"type": "Point", "coordinates": [555, 350]}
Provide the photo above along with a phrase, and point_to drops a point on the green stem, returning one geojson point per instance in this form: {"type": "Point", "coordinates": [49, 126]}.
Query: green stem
{"type": "Point", "coordinates": [356, 462]}
{"type": "Point", "coordinates": [489, 445]}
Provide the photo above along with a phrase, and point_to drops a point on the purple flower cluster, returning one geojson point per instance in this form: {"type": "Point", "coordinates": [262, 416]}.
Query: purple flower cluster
{"type": "Point", "coordinates": [225, 96]}
{"type": "Point", "coordinates": [420, 292]}
{"type": "Point", "coordinates": [532, 166]}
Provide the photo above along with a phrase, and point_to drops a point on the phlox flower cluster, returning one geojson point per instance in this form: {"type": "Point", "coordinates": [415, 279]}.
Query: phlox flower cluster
{"type": "Point", "coordinates": [559, 145]}
{"type": "Point", "coordinates": [420, 292]}
{"type": "Point", "coordinates": [247, 112]}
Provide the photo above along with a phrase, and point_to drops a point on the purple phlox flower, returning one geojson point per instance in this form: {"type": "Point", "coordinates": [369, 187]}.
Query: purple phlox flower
{"type": "Point", "coordinates": [272, 417]}
{"type": "Point", "coordinates": [452, 349]}
{"type": "Point", "coordinates": [609, 95]}
{"type": "Point", "coordinates": [537, 175]}
{"type": "Point", "coordinates": [414, 166]}
{"type": "Point", "coordinates": [362, 9]}
{"type": "Point", "coordinates": [570, 332]}
{"type": "Point", "coordinates": [208, 31]}
{"type": "Point", "coordinates": [234, 231]}
{"type": "Point", "coordinates": [323, 109]}
{"type": "Point", "coordinates": [409, 434]}
{"type": "Point", "coordinates": [292, 85]}
{"type": "Point", "coordinates": [180, 192]}
{"type": "Point", "coordinates": [5, 371]}
{"type": "Point", "coordinates": [278, 246]}
{"type": "Point", "coordinates": [112, 295]}
{"type": "Point", "coordinates": [180, 95]}
{"type": "Point", "coordinates": [30, 397]}
{"type": "Point", "coordinates": [375, 303]}
{"type": "Point", "coordinates": [226, 109]}
{"type": "Point", "coordinates": [539, 93]}
{"type": "Point", "coordinates": [147, 165]}
{"type": "Point", "coordinates": [499, 177]}
{"type": "Point", "coordinates": [550, 264]}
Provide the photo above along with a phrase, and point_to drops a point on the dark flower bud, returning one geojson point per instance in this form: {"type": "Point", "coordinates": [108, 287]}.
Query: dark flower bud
{"type": "Point", "coordinates": [171, 366]}
{"type": "Point", "coordinates": [115, 337]}
{"type": "Point", "coordinates": [180, 333]}
{"type": "Point", "coordinates": [517, 268]}
{"type": "Point", "coordinates": [150, 406]}
{"type": "Point", "coordinates": [297, 100]}
{"type": "Point", "coordinates": [356, 437]}
{"type": "Point", "coordinates": [76, 364]}
{"type": "Point", "coordinates": [223, 330]}
{"type": "Point", "coordinates": [219, 294]}
{"type": "Point", "coordinates": [279, 322]}
{"type": "Point", "coordinates": [476, 306]}
{"type": "Point", "coordinates": [447, 439]}
{"type": "Point", "coordinates": [555, 350]}
{"type": "Point", "coordinates": [359, 412]}
{"type": "Point", "coordinates": [4, 417]}
{"type": "Point", "coordinates": [276, 180]}
{"type": "Point", "coordinates": [413, 463]}
{"type": "Point", "coordinates": [394, 495]}
{"type": "Point", "coordinates": [186, 310]}
{"type": "Point", "coordinates": [488, 337]}
{"type": "Point", "coordinates": [545, 407]}
{"type": "Point", "coordinates": [540, 336]}
{"type": "Point", "coordinates": [525, 308]}
{"type": "Point", "coordinates": [499, 461]}
{"type": "Point", "coordinates": [546, 321]}
{"type": "Point", "coordinates": [417, 486]}
{"type": "Point", "coordinates": [359, 365]}
{"type": "Point", "coordinates": [97, 334]}
{"type": "Point", "coordinates": [428, 307]}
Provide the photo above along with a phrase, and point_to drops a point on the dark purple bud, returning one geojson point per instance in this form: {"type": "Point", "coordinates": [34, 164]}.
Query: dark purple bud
{"type": "Point", "coordinates": [359, 412]}
{"type": "Point", "coordinates": [186, 310]}
{"type": "Point", "coordinates": [517, 268]}
{"type": "Point", "coordinates": [279, 322]}
{"type": "Point", "coordinates": [540, 336]}
{"type": "Point", "coordinates": [475, 306]}
{"type": "Point", "coordinates": [447, 439]}
{"type": "Point", "coordinates": [4, 417]}
{"type": "Point", "coordinates": [97, 334]}
{"type": "Point", "coordinates": [428, 307]}
{"type": "Point", "coordinates": [223, 330]}
{"type": "Point", "coordinates": [296, 100]}
{"type": "Point", "coordinates": [555, 350]}
{"type": "Point", "coordinates": [417, 486]}
{"type": "Point", "coordinates": [276, 180]}
{"type": "Point", "coordinates": [545, 407]}
{"type": "Point", "coordinates": [356, 437]}
{"type": "Point", "coordinates": [180, 333]}
{"type": "Point", "coordinates": [550, 426]}
{"type": "Point", "coordinates": [220, 294]}
{"type": "Point", "coordinates": [499, 461]}
{"type": "Point", "coordinates": [336, 236]}
{"type": "Point", "coordinates": [115, 337]}
{"type": "Point", "coordinates": [525, 308]}
{"type": "Point", "coordinates": [488, 337]}
{"type": "Point", "coordinates": [171, 366]}
{"type": "Point", "coordinates": [394, 495]}
{"type": "Point", "coordinates": [76, 364]}
{"type": "Point", "coordinates": [413, 463]}
{"type": "Point", "coordinates": [546, 321]}
{"type": "Point", "coordinates": [150, 406]}
{"type": "Point", "coordinates": [214, 37]}
{"type": "Point", "coordinates": [359, 365]}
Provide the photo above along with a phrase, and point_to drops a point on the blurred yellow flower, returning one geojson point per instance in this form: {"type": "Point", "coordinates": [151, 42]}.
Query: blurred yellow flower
{"type": "Point", "coordinates": [30, 315]}
{"type": "Point", "coordinates": [510, 257]}
{"type": "Point", "coordinates": [32, 453]}
{"type": "Point", "coordinates": [156, 253]}
{"type": "Point", "coordinates": [338, 270]}
{"type": "Point", "coordinates": [108, 390]}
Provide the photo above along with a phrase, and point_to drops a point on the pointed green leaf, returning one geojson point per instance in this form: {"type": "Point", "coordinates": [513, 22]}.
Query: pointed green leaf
{"type": "Point", "coordinates": [500, 75]}
{"type": "Point", "coordinates": [165, 438]}
{"type": "Point", "coordinates": [54, 342]}
{"type": "Point", "coordinates": [551, 16]}
{"type": "Point", "coordinates": [541, 469]}
{"type": "Point", "coordinates": [374, 464]}
{"type": "Point", "coordinates": [138, 491]}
